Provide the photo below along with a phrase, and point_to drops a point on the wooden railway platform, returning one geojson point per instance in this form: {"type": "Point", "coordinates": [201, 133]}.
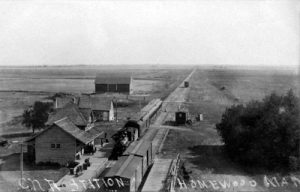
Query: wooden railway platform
{"type": "Point", "coordinates": [158, 175]}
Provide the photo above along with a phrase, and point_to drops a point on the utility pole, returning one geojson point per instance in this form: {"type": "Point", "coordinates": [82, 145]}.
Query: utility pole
{"type": "Point", "coordinates": [21, 163]}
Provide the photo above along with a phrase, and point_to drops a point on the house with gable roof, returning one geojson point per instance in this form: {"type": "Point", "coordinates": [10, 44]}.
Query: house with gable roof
{"type": "Point", "coordinates": [102, 107]}
{"type": "Point", "coordinates": [61, 142]}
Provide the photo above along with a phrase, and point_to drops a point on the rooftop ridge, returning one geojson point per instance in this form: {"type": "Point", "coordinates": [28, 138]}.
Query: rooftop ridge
{"type": "Point", "coordinates": [57, 121]}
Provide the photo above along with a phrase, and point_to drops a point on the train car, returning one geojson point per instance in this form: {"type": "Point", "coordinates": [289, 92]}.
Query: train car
{"type": "Point", "coordinates": [143, 149]}
{"type": "Point", "coordinates": [136, 127]}
{"type": "Point", "coordinates": [125, 175]}
{"type": "Point", "coordinates": [181, 117]}
{"type": "Point", "coordinates": [149, 136]}
{"type": "Point", "coordinates": [128, 172]}
{"type": "Point", "coordinates": [186, 84]}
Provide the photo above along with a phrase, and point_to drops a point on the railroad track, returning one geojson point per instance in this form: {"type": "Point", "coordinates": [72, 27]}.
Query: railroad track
{"type": "Point", "coordinates": [171, 103]}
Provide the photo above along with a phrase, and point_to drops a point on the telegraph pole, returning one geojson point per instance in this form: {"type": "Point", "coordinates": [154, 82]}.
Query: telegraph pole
{"type": "Point", "coordinates": [21, 162]}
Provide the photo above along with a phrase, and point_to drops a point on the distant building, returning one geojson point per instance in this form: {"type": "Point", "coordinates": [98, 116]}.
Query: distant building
{"type": "Point", "coordinates": [82, 118]}
{"type": "Point", "coordinates": [60, 102]}
{"type": "Point", "coordinates": [102, 107]}
{"type": "Point", "coordinates": [112, 84]}
{"type": "Point", "coordinates": [60, 142]}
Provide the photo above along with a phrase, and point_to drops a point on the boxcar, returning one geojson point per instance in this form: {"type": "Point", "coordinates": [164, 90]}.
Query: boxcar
{"type": "Point", "coordinates": [143, 149]}
{"type": "Point", "coordinates": [125, 175]}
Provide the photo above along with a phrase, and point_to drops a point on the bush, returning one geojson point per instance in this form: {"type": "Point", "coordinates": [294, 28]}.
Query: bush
{"type": "Point", "coordinates": [264, 133]}
{"type": "Point", "coordinates": [36, 116]}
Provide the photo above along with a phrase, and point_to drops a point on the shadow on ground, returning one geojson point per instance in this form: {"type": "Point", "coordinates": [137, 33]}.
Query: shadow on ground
{"type": "Point", "coordinates": [12, 163]}
{"type": "Point", "coordinates": [212, 158]}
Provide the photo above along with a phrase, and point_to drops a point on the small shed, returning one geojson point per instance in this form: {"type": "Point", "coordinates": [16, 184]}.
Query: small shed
{"type": "Point", "coordinates": [102, 107]}
{"type": "Point", "coordinates": [181, 117]}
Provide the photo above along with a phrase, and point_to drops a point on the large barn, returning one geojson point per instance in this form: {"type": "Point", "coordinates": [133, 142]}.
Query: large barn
{"type": "Point", "coordinates": [112, 83]}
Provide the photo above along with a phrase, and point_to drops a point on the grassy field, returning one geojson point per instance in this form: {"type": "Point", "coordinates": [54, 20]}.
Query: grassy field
{"type": "Point", "coordinates": [201, 150]}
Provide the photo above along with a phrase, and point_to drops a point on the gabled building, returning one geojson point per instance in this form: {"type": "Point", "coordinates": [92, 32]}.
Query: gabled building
{"type": "Point", "coordinates": [102, 107]}
{"type": "Point", "coordinates": [112, 83]}
{"type": "Point", "coordinates": [82, 118]}
{"type": "Point", "coordinates": [60, 142]}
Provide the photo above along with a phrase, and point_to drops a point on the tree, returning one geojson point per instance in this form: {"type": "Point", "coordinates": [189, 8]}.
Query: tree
{"type": "Point", "coordinates": [263, 132]}
{"type": "Point", "coordinates": [36, 116]}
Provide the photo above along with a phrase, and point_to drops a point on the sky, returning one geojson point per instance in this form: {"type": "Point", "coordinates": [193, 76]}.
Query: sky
{"type": "Point", "coordinates": [70, 32]}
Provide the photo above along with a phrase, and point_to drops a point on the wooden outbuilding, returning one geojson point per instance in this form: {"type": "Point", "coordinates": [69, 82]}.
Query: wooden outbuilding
{"type": "Point", "coordinates": [61, 142]}
{"type": "Point", "coordinates": [112, 83]}
{"type": "Point", "coordinates": [102, 107]}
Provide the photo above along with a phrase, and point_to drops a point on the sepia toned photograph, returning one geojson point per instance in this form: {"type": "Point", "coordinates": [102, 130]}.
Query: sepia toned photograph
{"type": "Point", "coordinates": [149, 96]}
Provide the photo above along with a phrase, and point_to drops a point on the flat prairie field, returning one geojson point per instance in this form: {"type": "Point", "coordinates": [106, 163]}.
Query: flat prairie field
{"type": "Point", "coordinates": [20, 87]}
{"type": "Point", "coordinates": [211, 92]}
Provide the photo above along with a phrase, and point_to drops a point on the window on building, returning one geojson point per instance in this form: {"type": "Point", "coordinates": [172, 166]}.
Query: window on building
{"type": "Point", "coordinates": [52, 146]}
{"type": "Point", "coordinates": [57, 146]}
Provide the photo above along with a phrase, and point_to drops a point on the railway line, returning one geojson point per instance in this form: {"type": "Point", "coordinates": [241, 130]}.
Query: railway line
{"type": "Point", "coordinates": [170, 104]}
{"type": "Point", "coordinates": [161, 168]}
{"type": "Point", "coordinates": [146, 135]}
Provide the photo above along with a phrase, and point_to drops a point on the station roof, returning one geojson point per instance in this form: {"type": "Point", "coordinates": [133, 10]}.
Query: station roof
{"type": "Point", "coordinates": [71, 110]}
{"type": "Point", "coordinates": [66, 125]}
